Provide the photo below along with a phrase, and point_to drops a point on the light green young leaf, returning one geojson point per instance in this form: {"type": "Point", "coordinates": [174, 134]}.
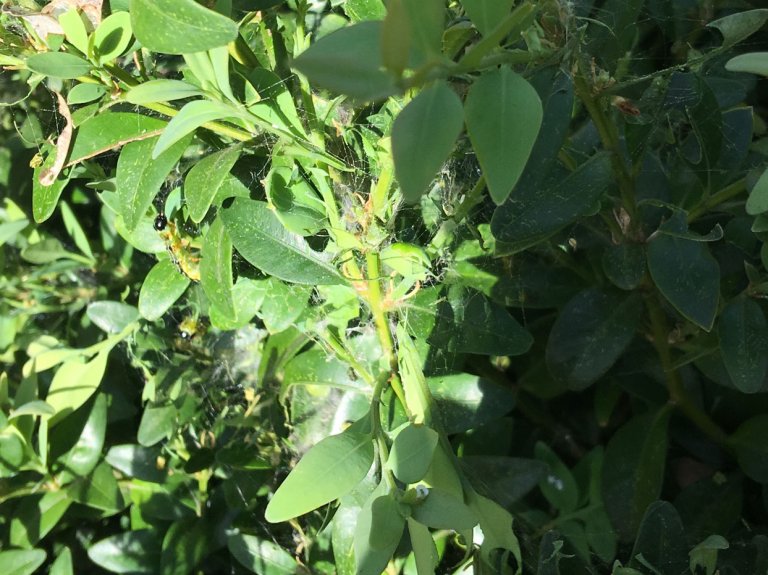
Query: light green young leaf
{"type": "Point", "coordinates": [73, 383]}
{"type": "Point", "coordinates": [220, 62]}
{"type": "Point", "coordinates": [162, 286]}
{"type": "Point", "coordinates": [261, 556]}
{"type": "Point", "coordinates": [216, 268]}
{"type": "Point", "coordinates": [74, 29]}
{"type": "Point", "coordinates": [140, 177]}
{"type": "Point", "coordinates": [753, 63]}
{"type": "Point", "coordinates": [704, 555]}
{"type": "Point", "coordinates": [36, 407]}
{"type": "Point", "coordinates": [427, 19]}
{"type": "Point", "coordinates": [249, 295]}
{"type": "Point", "coordinates": [359, 10]}
{"type": "Point", "coordinates": [112, 37]}
{"type": "Point", "coordinates": [58, 65]}
{"type": "Point", "coordinates": [46, 198]}
{"type": "Point", "coordinates": [35, 516]}
{"type": "Point", "coordinates": [84, 93]}
{"type": "Point", "coordinates": [411, 454]}
{"type": "Point", "coordinates": [496, 525]}
{"type": "Point", "coordinates": [377, 533]}
{"type": "Point", "coordinates": [179, 26]}
{"type": "Point", "coordinates": [262, 240]}
{"type": "Point", "coordinates": [503, 114]}
{"type": "Point", "coordinates": [63, 563]}
{"type": "Point", "coordinates": [21, 561]}
{"type": "Point", "coordinates": [423, 136]}
{"type": "Point", "coordinates": [204, 179]}
{"type": "Point", "coordinates": [161, 90]}
{"type": "Point", "coordinates": [190, 117]}
{"type": "Point", "coordinates": [327, 471]}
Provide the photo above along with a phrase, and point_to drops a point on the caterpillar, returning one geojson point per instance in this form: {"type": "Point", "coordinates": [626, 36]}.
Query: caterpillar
{"type": "Point", "coordinates": [178, 248]}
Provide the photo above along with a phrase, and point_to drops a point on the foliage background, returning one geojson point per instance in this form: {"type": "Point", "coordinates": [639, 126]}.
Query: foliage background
{"type": "Point", "coordinates": [562, 286]}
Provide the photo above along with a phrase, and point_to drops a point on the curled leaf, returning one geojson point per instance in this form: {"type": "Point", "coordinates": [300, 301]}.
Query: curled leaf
{"type": "Point", "coordinates": [49, 175]}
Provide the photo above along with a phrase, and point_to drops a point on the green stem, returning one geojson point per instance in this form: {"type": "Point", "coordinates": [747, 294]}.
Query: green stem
{"type": "Point", "coordinates": [378, 432]}
{"type": "Point", "coordinates": [678, 395]}
{"type": "Point", "coordinates": [378, 310]}
{"type": "Point", "coordinates": [473, 198]}
{"type": "Point", "coordinates": [610, 140]}
{"type": "Point", "coordinates": [728, 192]}
{"type": "Point", "coordinates": [343, 354]}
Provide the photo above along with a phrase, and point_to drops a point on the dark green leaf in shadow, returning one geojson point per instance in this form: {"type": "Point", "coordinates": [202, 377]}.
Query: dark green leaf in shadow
{"type": "Point", "coordinates": [661, 540]}
{"type": "Point", "coordinates": [633, 470]}
{"type": "Point", "coordinates": [624, 265]}
{"type": "Point", "coordinates": [466, 401]}
{"type": "Point", "coordinates": [751, 448]}
{"type": "Point", "coordinates": [743, 335]}
{"type": "Point", "coordinates": [590, 334]}
{"type": "Point", "coordinates": [505, 479]}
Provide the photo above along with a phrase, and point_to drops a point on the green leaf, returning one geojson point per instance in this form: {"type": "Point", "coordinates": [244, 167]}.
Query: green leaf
{"type": "Point", "coordinates": [355, 49]}
{"type": "Point", "coordinates": [99, 491]}
{"type": "Point", "coordinates": [359, 10]}
{"type": "Point", "coordinates": [590, 334]}
{"type": "Point", "coordinates": [136, 552]}
{"type": "Point", "coordinates": [424, 549]}
{"type": "Point", "coordinates": [249, 295]}
{"type": "Point", "coordinates": [73, 24]}
{"type": "Point", "coordinates": [111, 130]}
{"type": "Point", "coordinates": [661, 540]}
{"type": "Point", "coordinates": [558, 486]}
{"type": "Point", "coordinates": [739, 26]}
{"type": "Point", "coordinates": [757, 203]}
{"type": "Point", "coordinates": [216, 268]}
{"type": "Point", "coordinates": [58, 65]}
{"type": "Point", "coordinates": [297, 205]}
{"type": "Point", "coordinates": [186, 544]}
{"type": "Point", "coordinates": [45, 198]}
{"type": "Point", "coordinates": [162, 90]}
{"type": "Point", "coordinates": [136, 461]}
{"type": "Point", "coordinates": [262, 240]}
{"type": "Point", "coordinates": [633, 470]}
{"type": "Point", "coordinates": [423, 135]}
{"type": "Point", "coordinates": [704, 555]}
{"type": "Point", "coordinates": [82, 457]}
{"type": "Point", "coordinates": [34, 408]}
{"type": "Point", "coordinates": [471, 323]}
{"type": "Point", "coordinates": [503, 114]}
{"type": "Point", "coordinates": [261, 556]}
{"type": "Point", "coordinates": [179, 26]}
{"type": "Point", "coordinates": [14, 452]}
{"type": "Point", "coordinates": [112, 37]}
{"type": "Point", "coordinates": [327, 471]}
{"type": "Point", "coordinates": [21, 562]}
{"type": "Point", "coordinates": [427, 18]}
{"type": "Point", "coordinates": [743, 335]}
{"type": "Point", "coordinates": [84, 93]}
{"type": "Point", "coordinates": [687, 275]}
{"type": "Point", "coordinates": [412, 450]}
{"type": "Point", "coordinates": [444, 510]}
{"type": "Point", "coordinates": [753, 63]}
{"type": "Point", "coordinates": [74, 230]}
{"type": "Point", "coordinates": [73, 383]}
{"type": "Point", "coordinates": [204, 179]}
{"type": "Point", "coordinates": [536, 213]}
{"type": "Point", "coordinates": [112, 316]}
{"type": "Point", "coordinates": [624, 265]}
{"type": "Point", "coordinates": [496, 525]}
{"type": "Point", "coordinates": [466, 401]}
{"type": "Point", "coordinates": [157, 423]}
{"type": "Point", "coordinates": [35, 516]}
{"type": "Point", "coordinates": [372, 549]}
{"type": "Point", "coordinates": [486, 14]}
{"type": "Point", "coordinates": [506, 479]}
{"type": "Point", "coordinates": [189, 118]}
{"type": "Point", "coordinates": [314, 367]}
{"type": "Point", "coordinates": [751, 448]}
{"type": "Point", "coordinates": [163, 285]}
{"type": "Point", "coordinates": [63, 563]}
{"type": "Point", "coordinates": [139, 176]}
